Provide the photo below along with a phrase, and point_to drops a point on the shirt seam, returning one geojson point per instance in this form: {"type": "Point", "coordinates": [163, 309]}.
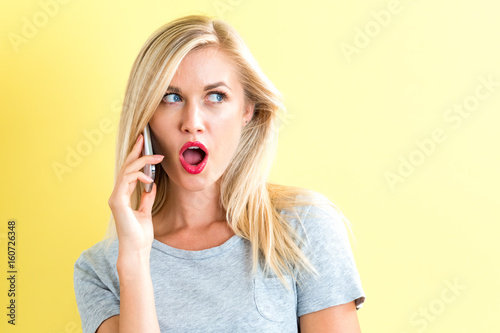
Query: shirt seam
{"type": "Point", "coordinates": [238, 239]}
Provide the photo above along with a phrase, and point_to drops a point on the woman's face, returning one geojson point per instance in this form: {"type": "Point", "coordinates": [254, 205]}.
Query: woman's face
{"type": "Point", "coordinates": [204, 107]}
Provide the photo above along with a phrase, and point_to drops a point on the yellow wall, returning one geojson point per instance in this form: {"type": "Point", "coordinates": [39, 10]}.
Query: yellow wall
{"type": "Point", "coordinates": [374, 91]}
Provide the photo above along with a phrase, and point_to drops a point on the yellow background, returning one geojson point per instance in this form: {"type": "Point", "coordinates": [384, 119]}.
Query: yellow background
{"type": "Point", "coordinates": [353, 118]}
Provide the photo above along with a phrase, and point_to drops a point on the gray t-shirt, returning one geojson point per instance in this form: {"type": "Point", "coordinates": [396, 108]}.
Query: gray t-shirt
{"type": "Point", "coordinates": [213, 290]}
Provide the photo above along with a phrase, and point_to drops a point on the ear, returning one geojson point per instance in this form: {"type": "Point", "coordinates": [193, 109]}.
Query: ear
{"type": "Point", "coordinates": [248, 114]}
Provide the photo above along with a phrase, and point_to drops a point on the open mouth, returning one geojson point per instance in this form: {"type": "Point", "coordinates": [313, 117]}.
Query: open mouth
{"type": "Point", "coordinates": [193, 157]}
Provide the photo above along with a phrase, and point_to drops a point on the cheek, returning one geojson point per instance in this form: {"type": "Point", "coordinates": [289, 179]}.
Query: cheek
{"type": "Point", "coordinates": [227, 141]}
{"type": "Point", "coordinates": [163, 129]}
{"type": "Point", "coordinates": [166, 147]}
{"type": "Point", "coordinates": [228, 126]}
{"type": "Point", "coordinates": [159, 145]}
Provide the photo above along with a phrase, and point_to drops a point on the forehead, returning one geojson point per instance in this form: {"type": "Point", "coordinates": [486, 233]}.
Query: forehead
{"type": "Point", "coordinates": [204, 66]}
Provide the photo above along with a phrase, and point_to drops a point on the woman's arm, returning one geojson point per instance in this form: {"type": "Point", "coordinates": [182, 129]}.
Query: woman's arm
{"type": "Point", "coordinates": [336, 319]}
{"type": "Point", "coordinates": [135, 234]}
{"type": "Point", "coordinates": [137, 304]}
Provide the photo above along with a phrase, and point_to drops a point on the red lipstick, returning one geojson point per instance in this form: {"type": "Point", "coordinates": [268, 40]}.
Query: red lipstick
{"type": "Point", "coordinates": [193, 169]}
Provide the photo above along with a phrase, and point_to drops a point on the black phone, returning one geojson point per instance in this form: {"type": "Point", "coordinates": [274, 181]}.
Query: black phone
{"type": "Point", "coordinates": [147, 149]}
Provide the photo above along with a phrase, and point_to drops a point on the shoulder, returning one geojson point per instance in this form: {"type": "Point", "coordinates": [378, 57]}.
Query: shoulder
{"type": "Point", "coordinates": [313, 212]}
{"type": "Point", "coordinates": [100, 256]}
{"type": "Point", "coordinates": [96, 284]}
{"type": "Point", "coordinates": [324, 240]}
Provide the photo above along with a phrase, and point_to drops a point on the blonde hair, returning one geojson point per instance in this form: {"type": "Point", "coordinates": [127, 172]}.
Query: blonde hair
{"type": "Point", "coordinates": [252, 204]}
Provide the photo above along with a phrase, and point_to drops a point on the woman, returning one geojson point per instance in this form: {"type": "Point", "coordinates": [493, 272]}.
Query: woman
{"type": "Point", "coordinates": [213, 247]}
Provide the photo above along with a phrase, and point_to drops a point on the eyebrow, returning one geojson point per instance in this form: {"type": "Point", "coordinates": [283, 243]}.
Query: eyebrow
{"type": "Point", "coordinates": [207, 87]}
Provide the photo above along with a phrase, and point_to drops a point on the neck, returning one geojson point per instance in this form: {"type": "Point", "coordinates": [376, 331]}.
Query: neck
{"type": "Point", "coordinates": [187, 211]}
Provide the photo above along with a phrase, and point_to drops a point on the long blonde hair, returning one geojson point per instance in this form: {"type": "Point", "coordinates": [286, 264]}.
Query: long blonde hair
{"type": "Point", "coordinates": [252, 204]}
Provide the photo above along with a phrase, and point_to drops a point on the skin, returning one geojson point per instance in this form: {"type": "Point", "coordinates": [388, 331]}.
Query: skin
{"type": "Point", "coordinates": [336, 319]}
{"type": "Point", "coordinates": [191, 218]}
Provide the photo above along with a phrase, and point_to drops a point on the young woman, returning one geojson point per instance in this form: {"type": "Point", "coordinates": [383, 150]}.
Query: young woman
{"type": "Point", "coordinates": [214, 247]}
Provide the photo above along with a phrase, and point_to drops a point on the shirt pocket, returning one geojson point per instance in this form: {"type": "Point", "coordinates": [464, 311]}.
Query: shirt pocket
{"type": "Point", "coordinates": [273, 300]}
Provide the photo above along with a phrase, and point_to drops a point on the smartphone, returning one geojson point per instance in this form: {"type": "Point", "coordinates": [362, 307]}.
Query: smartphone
{"type": "Point", "coordinates": [147, 149]}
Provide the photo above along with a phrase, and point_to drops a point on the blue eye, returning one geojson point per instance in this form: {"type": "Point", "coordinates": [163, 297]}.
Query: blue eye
{"type": "Point", "coordinates": [214, 97]}
{"type": "Point", "coordinates": [219, 97]}
{"type": "Point", "coordinates": [171, 98]}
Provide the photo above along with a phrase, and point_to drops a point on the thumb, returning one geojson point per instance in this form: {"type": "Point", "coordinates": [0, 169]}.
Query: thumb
{"type": "Point", "coordinates": [147, 200]}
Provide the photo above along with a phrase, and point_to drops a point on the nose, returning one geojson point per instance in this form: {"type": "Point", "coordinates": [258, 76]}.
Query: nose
{"type": "Point", "coordinates": [192, 119]}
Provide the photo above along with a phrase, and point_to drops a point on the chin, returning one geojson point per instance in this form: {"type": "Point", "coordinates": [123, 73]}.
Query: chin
{"type": "Point", "coordinates": [192, 182]}
{"type": "Point", "coordinates": [195, 185]}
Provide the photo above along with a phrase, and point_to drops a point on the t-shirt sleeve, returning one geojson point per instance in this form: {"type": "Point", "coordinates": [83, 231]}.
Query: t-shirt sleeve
{"type": "Point", "coordinates": [328, 249]}
{"type": "Point", "coordinates": [96, 296]}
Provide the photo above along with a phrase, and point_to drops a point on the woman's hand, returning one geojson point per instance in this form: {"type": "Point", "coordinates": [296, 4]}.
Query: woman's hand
{"type": "Point", "coordinates": [134, 228]}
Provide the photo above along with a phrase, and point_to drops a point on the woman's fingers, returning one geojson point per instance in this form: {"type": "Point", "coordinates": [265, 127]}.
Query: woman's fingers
{"type": "Point", "coordinates": [134, 228]}
{"type": "Point", "coordinates": [130, 173]}
{"type": "Point", "coordinates": [141, 162]}
{"type": "Point", "coordinates": [130, 181]}
{"type": "Point", "coordinates": [125, 187]}
{"type": "Point", "coordinates": [135, 153]}
{"type": "Point", "coordinates": [135, 161]}
{"type": "Point", "coordinates": [147, 201]}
